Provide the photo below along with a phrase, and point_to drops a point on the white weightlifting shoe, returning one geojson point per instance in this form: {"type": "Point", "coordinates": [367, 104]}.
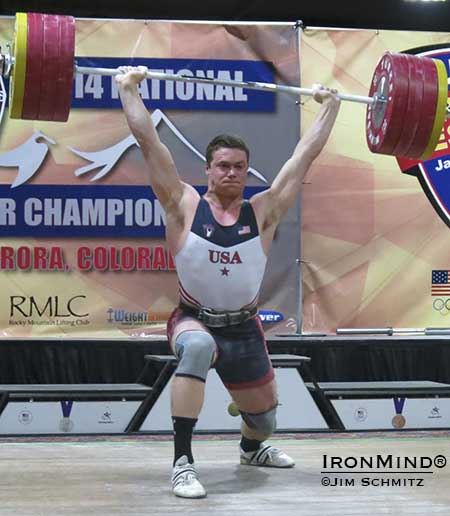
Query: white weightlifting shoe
{"type": "Point", "coordinates": [185, 480]}
{"type": "Point", "coordinates": [267, 456]}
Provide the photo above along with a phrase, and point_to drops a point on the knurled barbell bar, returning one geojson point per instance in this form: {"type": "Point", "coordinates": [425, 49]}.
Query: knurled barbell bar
{"type": "Point", "coordinates": [406, 106]}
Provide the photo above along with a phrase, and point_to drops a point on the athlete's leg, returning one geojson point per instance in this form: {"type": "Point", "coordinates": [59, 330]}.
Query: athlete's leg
{"type": "Point", "coordinates": [258, 406]}
{"type": "Point", "coordinates": [195, 348]}
{"type": "Point", "coordinates": [246, 371]}
{"type": "Point", "coordinates": [258, 409]}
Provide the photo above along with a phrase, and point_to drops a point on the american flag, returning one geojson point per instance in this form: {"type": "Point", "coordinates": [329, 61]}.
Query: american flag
{"type": "Point", "coordinates": [440, 283]}
{"type": "Point", "coordinates": [244, 230]}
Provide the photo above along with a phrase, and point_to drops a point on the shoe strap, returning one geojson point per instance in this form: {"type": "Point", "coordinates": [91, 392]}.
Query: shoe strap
{"type": "Point", "coordinates": [263, 454]}
{"type": "Point", "coordinates": [182, 473]}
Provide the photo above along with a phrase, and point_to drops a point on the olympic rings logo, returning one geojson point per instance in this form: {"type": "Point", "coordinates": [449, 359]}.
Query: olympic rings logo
{"type": "Point", "coordinates": [442, 305]}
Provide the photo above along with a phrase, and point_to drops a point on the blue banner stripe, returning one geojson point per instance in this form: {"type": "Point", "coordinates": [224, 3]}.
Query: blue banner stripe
{"type": "Point", "coordinates": [61, 211]}
{"type": "Point", "coordinates": [92, 91]}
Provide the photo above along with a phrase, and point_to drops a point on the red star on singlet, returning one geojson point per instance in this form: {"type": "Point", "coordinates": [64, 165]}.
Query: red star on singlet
{"type": "Point", "coordinates": [224, 271]}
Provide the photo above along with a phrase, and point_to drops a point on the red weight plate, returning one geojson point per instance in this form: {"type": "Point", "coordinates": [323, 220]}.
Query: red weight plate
{"type": "Point", "coordinates": [384, 119]}
{"type": "Point", "coordinates": [411, 117]}
{"type": "Point", "coordinates": [49, 67]}
{"type": "Point", "coordinates": [440, 125]}
{"type": "Point", "coordinates": [427, 109]}
{"type": "Point", "coordinates": [66, 63]}
{"type": "Point", "coordinates": [32, 90]}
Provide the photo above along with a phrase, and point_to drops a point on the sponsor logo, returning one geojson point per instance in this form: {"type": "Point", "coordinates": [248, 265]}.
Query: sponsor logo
{"type": "Point", "coordinates": [48, 311]}
{"type": "Point", "coordinates": [440, 288]}
{"type": "Point", "coordinates": [51, 306]}
{"type": "Point", "coordinates": [122, 317]}
{"type": "Point", "coordinates": [441, 305]}
{"type": "Point", "coordinates": [270, 317]}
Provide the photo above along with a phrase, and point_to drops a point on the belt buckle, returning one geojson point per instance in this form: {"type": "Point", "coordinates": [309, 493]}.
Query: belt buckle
{"type": "Point", "coordinates": [245, 314]}
{"type": "Point", "coordinates": [212, 318]}
{"type": "Point", "coordinates": [219, 319]}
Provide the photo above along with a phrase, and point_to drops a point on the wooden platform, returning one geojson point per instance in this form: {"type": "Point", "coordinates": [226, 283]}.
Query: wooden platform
{"type": "Point", "coordinates": [131, 477]}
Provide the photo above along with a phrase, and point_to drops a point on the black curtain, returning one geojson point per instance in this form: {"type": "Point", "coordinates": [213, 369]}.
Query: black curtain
{"type": "Point", "coordinates": [332, 360]}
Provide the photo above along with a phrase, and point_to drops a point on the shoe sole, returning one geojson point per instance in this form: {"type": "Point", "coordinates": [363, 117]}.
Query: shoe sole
{"type": "Point", "coordinates": [243, 463]}
{"type": "Point", "coordinates": [191, 497]}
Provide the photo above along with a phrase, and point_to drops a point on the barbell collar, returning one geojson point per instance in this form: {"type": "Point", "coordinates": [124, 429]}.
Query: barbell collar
{"type": "Point", "coordinates": [6, 62]}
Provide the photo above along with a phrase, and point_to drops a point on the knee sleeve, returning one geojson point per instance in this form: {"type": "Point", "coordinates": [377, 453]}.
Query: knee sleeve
{"type": "Point", "coordinates": [195, 352]}
{"type": "Point", "coordinates": [265, 422]}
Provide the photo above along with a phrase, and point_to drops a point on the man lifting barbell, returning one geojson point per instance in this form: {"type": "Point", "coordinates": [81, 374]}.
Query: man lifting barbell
{"type": "Point", "coordinates": [216, 322]}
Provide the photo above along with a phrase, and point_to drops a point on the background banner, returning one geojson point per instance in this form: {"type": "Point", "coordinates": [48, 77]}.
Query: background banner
{"type": "Point", "coordinates": [82, 249]}
{"type": "Point", "coordinates": [375, 231]}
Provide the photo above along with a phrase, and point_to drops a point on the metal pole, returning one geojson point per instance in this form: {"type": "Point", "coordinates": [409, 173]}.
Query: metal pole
{"type": "Point", "coordinates": [392, 331]}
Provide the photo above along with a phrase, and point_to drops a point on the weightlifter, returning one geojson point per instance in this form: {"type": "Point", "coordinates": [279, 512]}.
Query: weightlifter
{"type": "Point", "coordinates": [216, 322]}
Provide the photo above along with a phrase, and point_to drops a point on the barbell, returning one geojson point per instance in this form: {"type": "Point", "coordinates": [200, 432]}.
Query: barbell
{"type": "Point", "coordinates": [406, 106]}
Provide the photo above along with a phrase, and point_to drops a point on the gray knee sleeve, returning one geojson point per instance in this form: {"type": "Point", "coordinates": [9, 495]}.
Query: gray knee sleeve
{"type": "Point", "coordinates": [265, 422]}
{"type": "Point", "coordinates": [195, 352]}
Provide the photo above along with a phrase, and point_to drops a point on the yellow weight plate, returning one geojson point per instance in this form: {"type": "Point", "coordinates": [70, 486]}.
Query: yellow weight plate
{"type": "Point", "coordinates": [17, 82]}
{"type": "Point", "coordinates": [441, 107]}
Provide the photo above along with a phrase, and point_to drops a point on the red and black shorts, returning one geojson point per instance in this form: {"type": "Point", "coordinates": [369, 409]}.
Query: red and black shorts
{"type": "Point", "coordinates": [242, 357]}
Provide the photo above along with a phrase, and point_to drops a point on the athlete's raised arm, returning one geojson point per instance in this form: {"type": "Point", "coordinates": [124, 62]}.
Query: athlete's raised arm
{"type": "Point", "coordinates": [163, 175]}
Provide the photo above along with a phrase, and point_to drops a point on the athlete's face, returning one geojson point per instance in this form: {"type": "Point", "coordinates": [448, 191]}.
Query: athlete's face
{"type": "Point", "coordinates": [228, 170]}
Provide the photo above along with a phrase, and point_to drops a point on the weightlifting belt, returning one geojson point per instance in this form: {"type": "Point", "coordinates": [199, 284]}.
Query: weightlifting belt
{"type": "Point", "coordinates": [214, 319]}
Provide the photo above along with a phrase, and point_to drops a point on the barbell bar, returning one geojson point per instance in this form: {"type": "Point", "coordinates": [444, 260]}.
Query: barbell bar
{"type": "Point", "coordinates": [406, 105]}
{"type": "Point", "coordinates": [250, 85]}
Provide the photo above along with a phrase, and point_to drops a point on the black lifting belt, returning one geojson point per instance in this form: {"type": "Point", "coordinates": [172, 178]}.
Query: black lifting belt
{"type": "Point", "coordinates": [214, 319]}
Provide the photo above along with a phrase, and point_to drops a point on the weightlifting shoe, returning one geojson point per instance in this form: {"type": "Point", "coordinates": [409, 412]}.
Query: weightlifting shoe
{"type": "Point", "coordinates": [266, 456]}
{"type": "Point", "coordinates": [185, 483]}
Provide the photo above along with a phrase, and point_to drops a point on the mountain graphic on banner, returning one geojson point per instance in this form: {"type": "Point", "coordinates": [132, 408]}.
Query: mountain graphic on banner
{"type": "Point", "coordinates": [29, 156]}
{"type": "Point", "coordinates": [105, 159]}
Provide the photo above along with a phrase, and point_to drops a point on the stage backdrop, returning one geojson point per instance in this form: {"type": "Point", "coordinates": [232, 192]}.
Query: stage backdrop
{"type": "Point", "coordinates": [375, 231]}
{"type": "Point", "coordinates": [82, 236]}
